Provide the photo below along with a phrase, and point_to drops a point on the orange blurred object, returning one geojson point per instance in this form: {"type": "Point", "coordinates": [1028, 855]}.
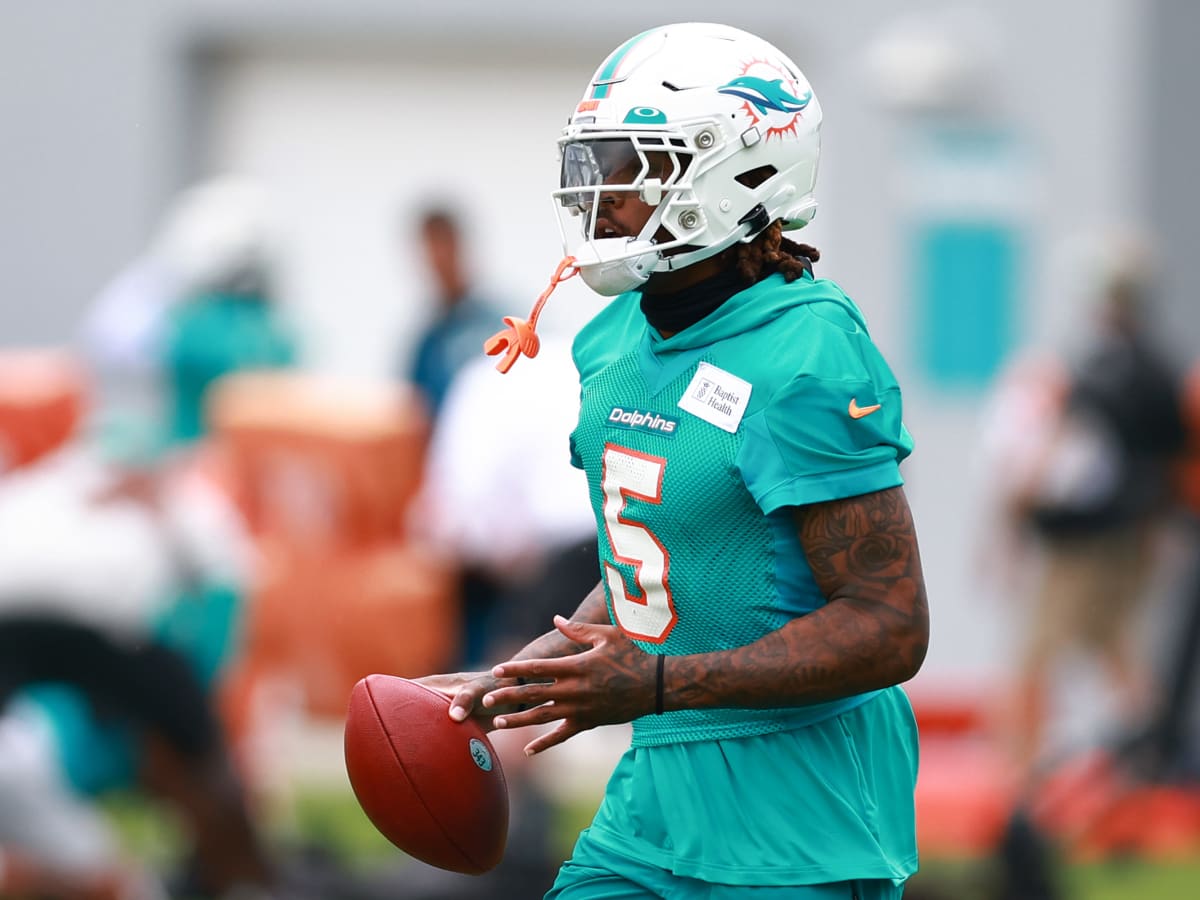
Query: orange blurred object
{"type": "Point", "coordinates": [953, 710]}
{"type": "Point", "coordinates": [43, 395]}
{"type": "Point", "coordinates": [1096, 807]}
{"type": "Point", "coordinates": [1154, 821]}
{"type": "Point", "coordinates": [966, 792]}
{"type": "Point", "coordinates": [325, 471]}
{"type": "Point", "coordinates": [320, 462]}
{"type": "Point", "coordinates": [24, 875]}
{"type": "Point", "coordinates": [966, 786]}
{"type": "Point", "coordinates": [1090, 805]}
{"type": "Point", "coordinates": [324, 621]}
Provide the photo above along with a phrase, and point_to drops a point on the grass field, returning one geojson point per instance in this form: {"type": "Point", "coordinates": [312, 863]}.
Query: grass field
{"type": "Point", "coordinates": [1122, 879]}
{"type": "Point", "coordinates": [333, 820]}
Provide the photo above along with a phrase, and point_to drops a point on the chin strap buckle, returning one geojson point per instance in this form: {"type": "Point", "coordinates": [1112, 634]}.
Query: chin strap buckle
{"type": "Point", "coordinates": [757, 219]}
{"type": "Point", "coordinates": [520, 337]}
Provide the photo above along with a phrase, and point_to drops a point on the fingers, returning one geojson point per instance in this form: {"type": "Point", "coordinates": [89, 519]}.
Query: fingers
{"type": "Point", "coordinates": [548, 669]}
{"type": "Point", "coordinates": [465, 701]}
{"type": "Point", "coordinates": [463, 688]}
{"type": "Point", "coordinates": [587, 633]}
{"type": "Point", "coordinates": [551, 738]}
{"type": "Point", "coordinates": [542, 715]}
{"type": "Point", "coordinates": [519, 696]}
{"type": "Point", "coordinates": [535, 669]}
{"type": "Point", "coordinates": [581, 632]}
{"type": "Point", "coordinates": [538, 715]}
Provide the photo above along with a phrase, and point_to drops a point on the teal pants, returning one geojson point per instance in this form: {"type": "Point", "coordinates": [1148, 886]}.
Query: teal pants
{"type": "Point", "coordinates": [593, 873]}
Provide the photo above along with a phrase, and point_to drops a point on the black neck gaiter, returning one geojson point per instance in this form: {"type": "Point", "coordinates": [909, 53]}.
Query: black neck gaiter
{"type": "Point", "coordinates": [677, 310]}
{"type": "Point", "coordinates": [672, 312]}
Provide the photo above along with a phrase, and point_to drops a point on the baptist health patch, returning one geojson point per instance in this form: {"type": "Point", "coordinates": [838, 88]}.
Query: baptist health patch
{"type": "Point", "coordinates": [717, 397]}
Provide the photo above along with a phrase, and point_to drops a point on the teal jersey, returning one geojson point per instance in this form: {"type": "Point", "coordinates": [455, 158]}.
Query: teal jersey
{"type": "Point", "coordinates": [832, 802]}
{"type": "Point", "coordinates": [212, 335]}
{"type": "Point", "coordinates": [697, 446]}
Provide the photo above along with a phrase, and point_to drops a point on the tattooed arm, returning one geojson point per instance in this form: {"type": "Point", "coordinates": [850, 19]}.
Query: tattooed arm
{"type": "Point", "coordinates": [872, 633]}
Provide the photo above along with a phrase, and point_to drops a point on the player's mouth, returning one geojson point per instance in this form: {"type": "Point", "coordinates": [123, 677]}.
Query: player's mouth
{"type": "Point", "coordinates": [607, 229]}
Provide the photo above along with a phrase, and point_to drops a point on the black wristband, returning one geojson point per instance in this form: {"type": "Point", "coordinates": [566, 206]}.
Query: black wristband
{"type": "Point", "coordinates": [658, 684]}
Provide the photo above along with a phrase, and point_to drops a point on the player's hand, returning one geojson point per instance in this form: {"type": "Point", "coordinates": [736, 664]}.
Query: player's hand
{"type": "Point", "coordinates": [466, 690]}
{"type": "Point", "coordinates": [611, 682]}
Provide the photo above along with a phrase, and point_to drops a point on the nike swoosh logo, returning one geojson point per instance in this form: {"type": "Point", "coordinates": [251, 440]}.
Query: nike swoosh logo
{"type": "Point", "coordinates": [857, 412]}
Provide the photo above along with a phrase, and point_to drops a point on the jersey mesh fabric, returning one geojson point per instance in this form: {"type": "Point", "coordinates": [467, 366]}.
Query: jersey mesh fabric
{"type": "Point", "coordinates": [805, 795]}
{"type": "Point", "coordinates": [725, 555]}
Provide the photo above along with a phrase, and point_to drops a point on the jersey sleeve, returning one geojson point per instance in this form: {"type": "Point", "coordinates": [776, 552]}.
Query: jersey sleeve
{"type": "Point", "coordinates": [576, 459]}
{"type": "Point", "coordinates": [824, 439]}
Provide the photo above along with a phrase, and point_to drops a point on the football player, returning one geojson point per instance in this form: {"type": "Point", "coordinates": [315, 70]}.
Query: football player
{"type": "Point", "coordinates": [761, 595]}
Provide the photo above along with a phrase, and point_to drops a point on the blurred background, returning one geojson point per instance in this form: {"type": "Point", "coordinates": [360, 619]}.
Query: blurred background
{"type": "Point", "coordinates": [249, 451]}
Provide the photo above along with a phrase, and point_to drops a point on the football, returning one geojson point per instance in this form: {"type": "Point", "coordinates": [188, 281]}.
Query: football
{"type": "Point", "coordinates": [432, 786]}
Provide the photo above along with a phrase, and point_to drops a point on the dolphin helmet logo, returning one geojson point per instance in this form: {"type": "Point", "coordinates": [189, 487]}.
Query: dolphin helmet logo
{"type": "Point", "coordinates": [765, 95]}
{"type": "Point", "coordinates": [771, 96]}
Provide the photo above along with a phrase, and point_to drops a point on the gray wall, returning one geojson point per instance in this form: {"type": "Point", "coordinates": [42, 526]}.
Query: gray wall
{"type": "Point", "coordinates": [86, 114]}
{"type": "Point", "coordinates": [99, 110]}
{"type": "Point", "coordinates": [1173, 162]}
{"type": "Point", "coordinates": [103, 114]}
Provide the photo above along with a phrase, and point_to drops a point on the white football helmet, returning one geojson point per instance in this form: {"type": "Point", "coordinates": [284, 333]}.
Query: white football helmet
{"type": "Point", "coordinates": [711, 126]}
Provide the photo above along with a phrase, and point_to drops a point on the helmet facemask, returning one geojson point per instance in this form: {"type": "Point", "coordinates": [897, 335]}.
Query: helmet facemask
{"type": "Point", "coordinates": [602, 168]}
{"type": "Point", "coordinates": [714, 130]}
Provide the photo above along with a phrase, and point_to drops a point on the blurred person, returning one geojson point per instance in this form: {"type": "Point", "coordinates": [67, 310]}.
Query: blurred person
{"type": "Point", "coordinates": [1088, 446]}
{"type": "Point", "coordinates": [462, 318]}
{"type": "Point", "coordinates": [117, 605]}
{"type": "Point", "coordinates": [1016, 422]}
{"type": "Point", "coordinates": [227, 319]}
{"type": "Point", "coordinates": [462, 321]}
{"type": "Point", "coordinates": [54, 843]}
{"type": "Point", "coordinates": [761, 595]}
{"type": "Point", "coordinates": [194, 305]}
{"type": "Point", "coordinates": [516, 518]}
{"type": "Point", "coordinates": [122, 714]}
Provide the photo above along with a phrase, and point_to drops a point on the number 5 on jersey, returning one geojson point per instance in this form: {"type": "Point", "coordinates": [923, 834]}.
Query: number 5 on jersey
{"type": "Point", "coordinates": [628, 474]}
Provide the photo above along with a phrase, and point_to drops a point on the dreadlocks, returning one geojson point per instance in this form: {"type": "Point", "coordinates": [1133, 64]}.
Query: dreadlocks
{"type": "Point", "coordinates": [772, 252]}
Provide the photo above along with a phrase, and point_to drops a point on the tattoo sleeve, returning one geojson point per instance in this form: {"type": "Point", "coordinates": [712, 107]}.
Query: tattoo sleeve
{"type": "Point", "coordinates": [871, 633]}
{"type": "Point", "coordinates": [553, 643]}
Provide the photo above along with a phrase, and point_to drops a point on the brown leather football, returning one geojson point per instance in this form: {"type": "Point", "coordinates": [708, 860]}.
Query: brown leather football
{"type": "Point", "coordinates": [432, 786]}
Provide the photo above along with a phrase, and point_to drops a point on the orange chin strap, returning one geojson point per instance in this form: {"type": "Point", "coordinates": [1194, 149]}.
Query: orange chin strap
{"type": "Point", "coordinates": [520, 335]}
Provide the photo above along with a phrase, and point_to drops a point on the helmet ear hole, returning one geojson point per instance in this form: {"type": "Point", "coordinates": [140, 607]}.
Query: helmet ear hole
{"type": "Point", "coordinates": [752, 178]}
